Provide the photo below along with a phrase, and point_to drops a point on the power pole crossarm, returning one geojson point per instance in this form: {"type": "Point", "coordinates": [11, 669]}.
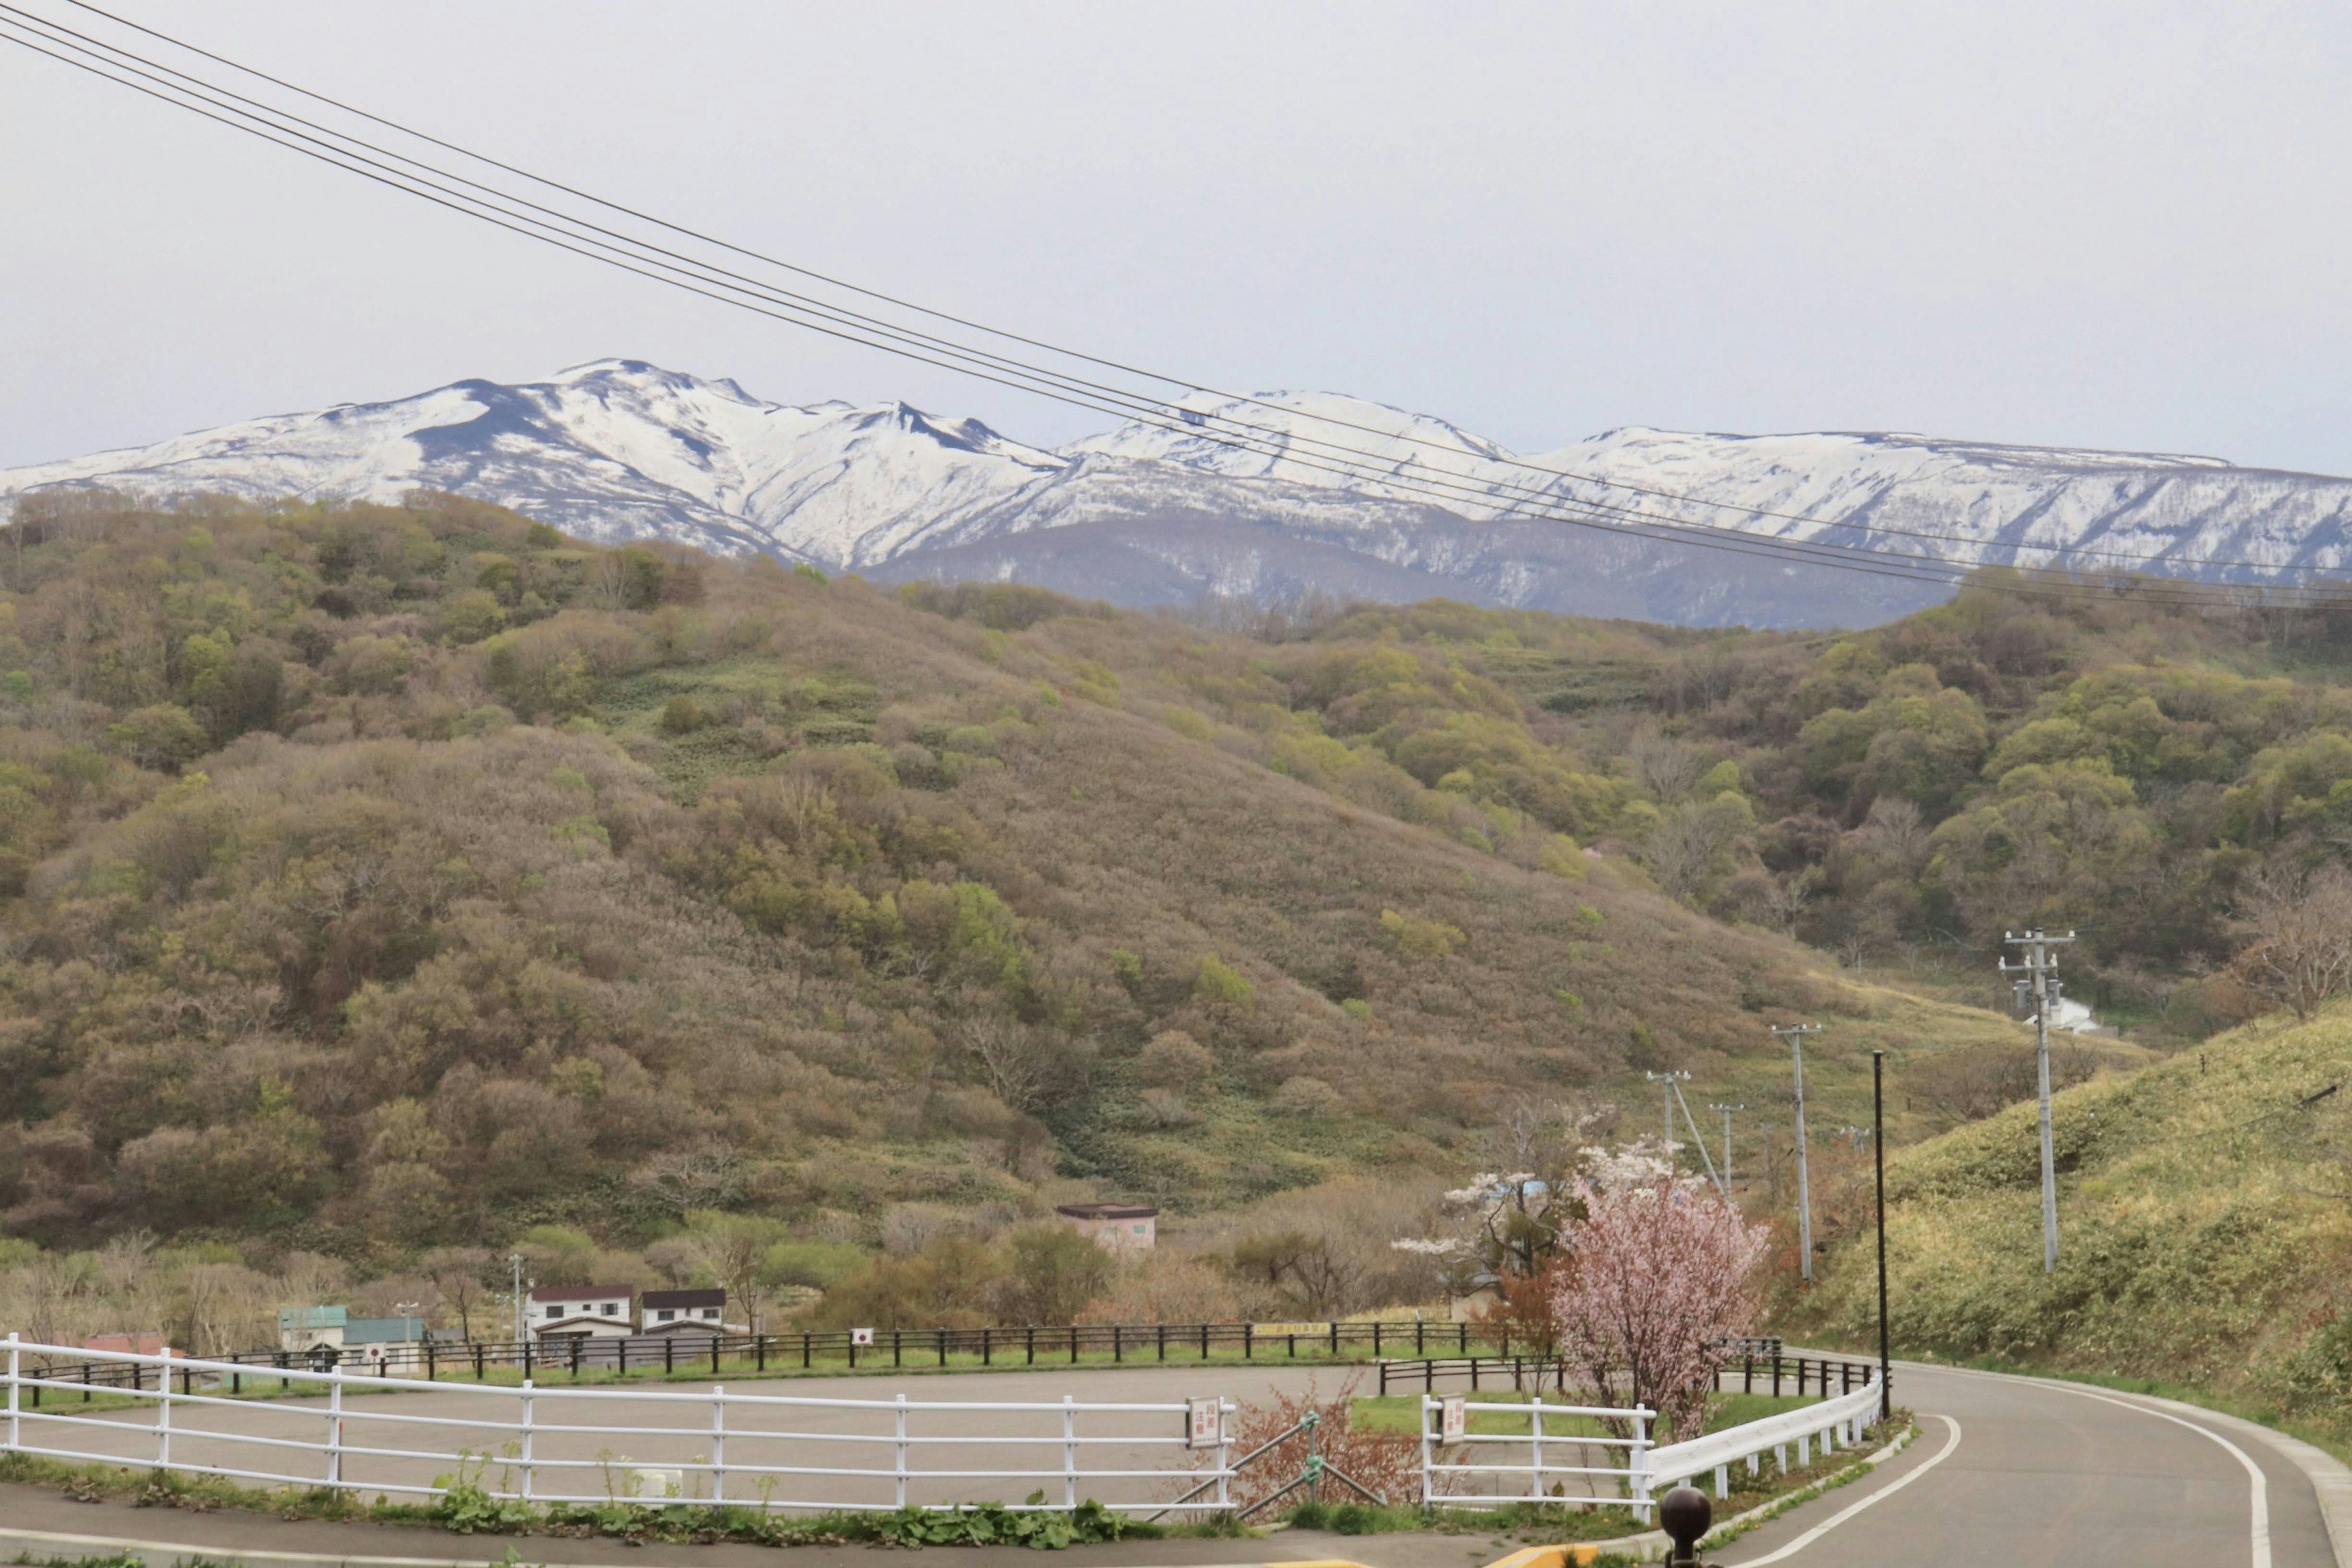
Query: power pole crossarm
{"type": "Point", "coordinates": [1795, 1035]}
{"type": "Point", "coordinates": [2037, 967]}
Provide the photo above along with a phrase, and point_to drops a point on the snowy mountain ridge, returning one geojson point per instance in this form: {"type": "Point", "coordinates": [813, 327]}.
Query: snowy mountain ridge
{"type": "Point", "coordinates": [619, 449]}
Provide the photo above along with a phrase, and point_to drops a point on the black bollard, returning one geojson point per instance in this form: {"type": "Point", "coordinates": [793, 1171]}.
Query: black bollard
{"type": "Point", "coordinates": [1685, 1513]}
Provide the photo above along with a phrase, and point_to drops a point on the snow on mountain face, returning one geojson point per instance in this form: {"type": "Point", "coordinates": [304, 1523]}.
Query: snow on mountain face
{"type": "Point", "coordinates": [619, 449]}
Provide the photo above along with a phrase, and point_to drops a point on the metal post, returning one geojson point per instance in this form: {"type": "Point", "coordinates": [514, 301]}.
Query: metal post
{"type": "Point", "coordinates": [899, 1416]}
{"type": "Point", "coordinates": [1069, 1453]}
{"type": "Point", "coordinates": [525, 1455]}
{"type": "Point", "coordinates": [1426, 1453]}
{"type": "Point", "coordinates": [2038, 966]}
{"type": "Point", "coordinates": [335, 1432]}
{"type": "Point", "coordinates": [719, 1443]}
{"type": "Point", "coordinates": [16, 1370]}
{"type": "Point", "coordinates": [1878, 1144]}
{"type": "Point", "coordinates": [163, 1410]}
{"type": "Point", "coordinates": [1639, 1460]}
{"type": "Point", "coordinates": [1795, 1035]}
{"type": "Point", "coordinates": [1225, 1451]}
{"type": "Point", "coordinates": [1535, 1446]}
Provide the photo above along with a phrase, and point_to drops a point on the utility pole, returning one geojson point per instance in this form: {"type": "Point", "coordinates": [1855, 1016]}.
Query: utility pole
{"type": "Point", "coordinates": [2037, 967]}
{"type": "Point", "coordinates": [1795, 1035]}
{"type": "Point", "coordinates": [1726, 1111]}
{"type": "Point", "coordinates": [1669, 1079]}
{"type": "Point", "coordinates": [1698, 1142]}
{"type": "Point", "coordinates": [514, 1261]}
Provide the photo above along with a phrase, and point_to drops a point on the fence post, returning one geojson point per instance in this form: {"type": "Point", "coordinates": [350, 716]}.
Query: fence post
{"type": "Point", "coordinates": [1776, 1374]}
{"type": "Point", "coordinates": [1249, 1341]}
{"type": "Point", "coordinates": [1117, 1345]}
{"type": "Point", "coordinates": [1070, 1453]}
{"type": "Point", "coordinates": [717, 1443]}
{"type": "Point", "coordinates": [1640, 1461]}
{"type": "Point", "coordinates": [1164, 1343]}
{"type": "Point", "coordinates": [1748, 1372]}
{"type": "Point", "coordinates": [942, 1334]}
{"type": "Point", "coordinates": [15, 1365]}
{"type": "Point", "coordinates": [1031, 1332]}
{"type": "Point", "coordinates": [1534, 1445]}
{"type": "Point", "coordinates": [1465, 1326]}
{"type": "Point", "coordinates": [1722, 1480]}
{"type": "Point", "coordinates": [900, 1414]}
{"type": "Point", "coordinates": [1074, 1346]}
{"type": "Point", "coordinates": [1204, 1341]}
{"type": "Point", "coordinates": [1225, 1451]}
{"type": "Point", "coordinates": [987, 1346]}
{"type": "Point", "coordinates": [1376, 1338]}
{"type": "Point", "coordinates": [335, 1432]}
{"type": "Point", "coordinates": [1426, 1454]}
{"type": "Point", "coordinates": [163, 1410]}
{"type": "Point", "coordinates": [526, 1438]}
{"type": "Point", "coordinates": [1335, 1338]}
{"type": "Point", "coordinates": [808, 1340]}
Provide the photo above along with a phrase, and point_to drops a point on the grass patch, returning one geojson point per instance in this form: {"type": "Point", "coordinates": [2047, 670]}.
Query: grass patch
{"type": "Point", "coordinates": [1402, 1412]}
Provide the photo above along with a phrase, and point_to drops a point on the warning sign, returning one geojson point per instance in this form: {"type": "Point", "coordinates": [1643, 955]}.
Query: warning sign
{"type": "Point", "coordinates": [1204, 1423]}
{"type": "Point", "coordinates": [1452, 1419]}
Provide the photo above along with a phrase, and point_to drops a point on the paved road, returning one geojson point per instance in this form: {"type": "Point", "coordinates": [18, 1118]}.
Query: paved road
{"type": "Point", "coordinates": [2043, 1474]}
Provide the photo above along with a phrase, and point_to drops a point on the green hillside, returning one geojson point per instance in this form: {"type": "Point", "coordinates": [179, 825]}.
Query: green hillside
{"type": "Point", "coordinates": [373, 878]}
{"type": "Point", "coordinates": [2205, 1211]}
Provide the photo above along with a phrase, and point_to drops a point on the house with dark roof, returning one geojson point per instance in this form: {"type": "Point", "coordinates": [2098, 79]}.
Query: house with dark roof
{"type": "Point", "coordinates": [580, 1311]}
{"type": "Point", "coordinates": [679, 1312]}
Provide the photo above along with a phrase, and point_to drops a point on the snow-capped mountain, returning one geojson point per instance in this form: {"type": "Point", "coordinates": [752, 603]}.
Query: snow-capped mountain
{"type": "Point", "coordinates": [1147, 513]}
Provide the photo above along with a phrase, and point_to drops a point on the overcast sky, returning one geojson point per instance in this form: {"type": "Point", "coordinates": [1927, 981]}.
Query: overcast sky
{"type": "Point", "coordinates": [2117, 225]}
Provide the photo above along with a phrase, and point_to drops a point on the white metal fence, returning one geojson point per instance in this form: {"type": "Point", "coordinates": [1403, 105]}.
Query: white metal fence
{"type": "Point", "coordinates": [558, 1443]}
{"type": "Point", "coordinates": [1582, 1461]}
{"type": "Point", "coordinates": [297, 1428]}
{"type": "Point", "coordinates": [1835, 1423]}
{"type": "Point", "coordinates": [1523, 1467]}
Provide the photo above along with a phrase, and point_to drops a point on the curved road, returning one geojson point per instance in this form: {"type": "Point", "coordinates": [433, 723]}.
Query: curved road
{"type": "Point", "coordinates": [2018, 1471]}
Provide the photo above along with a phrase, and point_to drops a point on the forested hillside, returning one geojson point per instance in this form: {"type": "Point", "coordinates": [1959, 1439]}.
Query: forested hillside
{"type": "Point", "coordinates": [380, 877]}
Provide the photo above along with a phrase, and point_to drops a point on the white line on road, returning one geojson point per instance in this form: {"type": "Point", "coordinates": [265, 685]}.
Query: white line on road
{"type": "Point", "coordinates": [1880, 1495]}
{"type": "Point", "coordinates": [2262, 1489]}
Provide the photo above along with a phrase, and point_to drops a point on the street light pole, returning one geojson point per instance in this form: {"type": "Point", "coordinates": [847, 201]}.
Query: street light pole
{"type": "Point", "coordinates": [1878, 1147]}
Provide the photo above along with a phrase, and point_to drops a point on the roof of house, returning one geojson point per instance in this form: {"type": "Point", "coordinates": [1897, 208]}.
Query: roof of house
{"type": "Point", "coordinates": [703, 1298]}
{"type": "Point", "coordinates": [1107, 1211]}
{"type": "Point", "coordinates": [134, 1344]}
{"type": "Point", "coordinates": [311, 1316]}
{"type": "Point", "coordinates": [582, 1293]}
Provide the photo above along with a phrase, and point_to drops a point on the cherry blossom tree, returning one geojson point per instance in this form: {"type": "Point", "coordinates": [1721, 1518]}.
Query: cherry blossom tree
{"type": "Point", "coordinates": [1656, 1283]}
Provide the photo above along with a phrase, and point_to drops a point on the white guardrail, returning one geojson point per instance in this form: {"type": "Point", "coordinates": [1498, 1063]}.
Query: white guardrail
{"type": "Point", "coordinates": [296, 1427]}
{"type": "Point", "coordinates": [1569, 1452]}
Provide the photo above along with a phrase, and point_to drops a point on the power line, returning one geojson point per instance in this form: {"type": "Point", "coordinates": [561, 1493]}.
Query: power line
{"type": "Point", "coordinates": [1164, 378]}
{"type": "Point", "coordinates": [695, 275]}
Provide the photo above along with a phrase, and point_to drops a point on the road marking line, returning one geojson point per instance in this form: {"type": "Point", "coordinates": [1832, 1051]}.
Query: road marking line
{"type": "Point", "coordinates": [1885, 1493]}
{"type": "Point", "coordinates": [2260, 1483]}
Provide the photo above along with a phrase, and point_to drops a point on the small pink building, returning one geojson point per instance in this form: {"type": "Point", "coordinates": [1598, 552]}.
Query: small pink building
{"type": "Point", "coordinates": [1122, 1228]}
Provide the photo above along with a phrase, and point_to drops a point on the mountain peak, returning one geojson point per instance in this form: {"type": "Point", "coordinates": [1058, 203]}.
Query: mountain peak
{"type": "Point", "coordinates": [621, 449]}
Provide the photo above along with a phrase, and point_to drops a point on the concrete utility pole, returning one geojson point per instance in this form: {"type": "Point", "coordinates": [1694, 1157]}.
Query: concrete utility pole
{"type": "Point", "coordinates": [514, 1261]}
{"type": "Point", "coordinates": [2037, 967]}
{"type": "Point", "coordinates": [1669, 1079]}
{"type": "Point", "coordinates": [1795, 1035]}
{"type": "Point", "coordinates": [1726, 1111]}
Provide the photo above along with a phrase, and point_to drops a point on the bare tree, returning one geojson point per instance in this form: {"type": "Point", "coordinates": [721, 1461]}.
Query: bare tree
{"type": "Point", "coordinates": [2301, 922]}
{"type": "Point", "coordinates": [1024, 1066]}
{"type": "Point", "coordinates": [458, 1272]}
{"type": "Point", "coordinates": [1667, 769]}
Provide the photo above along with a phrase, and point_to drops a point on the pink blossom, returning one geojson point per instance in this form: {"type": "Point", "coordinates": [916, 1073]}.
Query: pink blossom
{"type": "Point", "coordinates": [1655, 1285]}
